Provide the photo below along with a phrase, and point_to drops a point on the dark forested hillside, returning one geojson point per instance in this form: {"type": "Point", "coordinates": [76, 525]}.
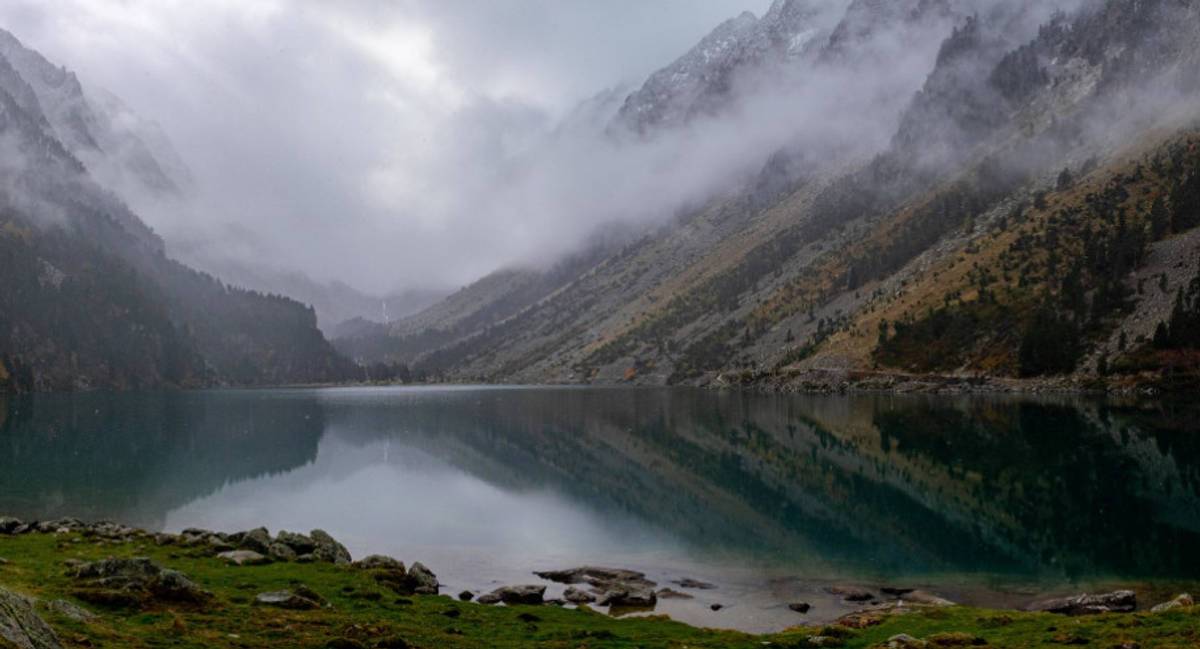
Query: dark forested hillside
{"type": "Point", "coordinates": [88, 298]}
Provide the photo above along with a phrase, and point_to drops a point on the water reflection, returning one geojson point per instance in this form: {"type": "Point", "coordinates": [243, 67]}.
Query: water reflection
{"type": "Point", "coordinates": [826, 486]}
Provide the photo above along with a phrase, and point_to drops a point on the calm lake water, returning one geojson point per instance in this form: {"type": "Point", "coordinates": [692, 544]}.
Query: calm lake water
{"type": "Point", "coordinates": [773, 498]}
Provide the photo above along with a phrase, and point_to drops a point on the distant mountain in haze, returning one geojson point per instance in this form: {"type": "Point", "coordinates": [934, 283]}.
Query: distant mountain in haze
{"type": "Point", "coordinates": [88, 297]}
{"type": "Point", "coordinates": [1033, 214]}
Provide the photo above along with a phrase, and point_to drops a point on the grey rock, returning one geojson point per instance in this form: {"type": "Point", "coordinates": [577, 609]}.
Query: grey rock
{"type": "Point", "coordinates": [9, 525]}
{"type": "Point", "coordinates": [422, 579]}
{"type": "Point", "coordinates": [328, 549]}
{"type": "Point", "coordinates": [716, 607]}
{"type": "Point", "coordinates": [577, 596]}
{"type": "Point", "coordinates": [1121, 601]}
{"type": "Point", "coordinates": [20, 625]}
{"type": "Point", "coordinates": [667, 593]}
{"type": "Point", "coordinates": [905, 641]}
{"type": "Point", "coordinates": [244, 558]}
{"type": "Point", "coordinates": [800, 607]}
{"type": "Point", "coordinates": [301, 543]}
{"type": "Point", "coordinates": [379, 562]}
{"type": "Point", "coordinates": [528, 594]}
{"type": "Point", "coordinates": [136, 580]}
{"type": "Point", "coordinates": [286, 599]}
{"type": "Point", "coordinates": [694, 584]}
{"type": "Point", "coordinates": [1181, 601]}
{"type": "Point", "coordinates": [71, 611]}
{"type": "Point", "coordinates": [258, 540]}
{"type": "Point", "coordinates": [466, 596]}
{"type": "Point", "coordinates": [488, 598]}
{"type": "Point", "coordinates": [629, 597]}
{"type": "Point", "coordinates": [281, 552]}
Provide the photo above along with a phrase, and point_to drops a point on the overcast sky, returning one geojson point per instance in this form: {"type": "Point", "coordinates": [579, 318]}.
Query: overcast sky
{"type": "Point", "coordinates": [342, 136]}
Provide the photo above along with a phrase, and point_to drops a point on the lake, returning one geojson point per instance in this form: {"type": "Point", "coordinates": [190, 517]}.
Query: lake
{"type": "Point", "coordinates": [773, 498]}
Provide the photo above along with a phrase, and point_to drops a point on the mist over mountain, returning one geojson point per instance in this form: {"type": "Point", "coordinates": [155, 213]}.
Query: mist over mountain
{"type": "Point", "coordinates": [1009, 182]}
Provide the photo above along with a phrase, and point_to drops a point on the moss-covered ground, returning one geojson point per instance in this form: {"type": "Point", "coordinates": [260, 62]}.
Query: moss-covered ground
{"type": "Point", "coordinates": [363, 613]}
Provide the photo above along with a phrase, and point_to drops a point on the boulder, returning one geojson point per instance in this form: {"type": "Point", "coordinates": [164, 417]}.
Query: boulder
{"type": "Point", "coordinates": [20, 625]}
{"type": "Point", "coordinates": [1181, 601]}
{"type": "Point", "coordinates": [422, 579]}
{"type": "Point", "coordinates": [629, 597]}
{"type": "Point", "coordinates": [577, 596]}
{"type": "Point", "coordinates": [379, 562]}
{"type": "Point", "coordinates": [800, 607]}
{"type": "Point", "coordinates": [281, 552]}
{"type": "Point", "coordinates": [9, 525]}
{"type": "Point", "coordinates": [694, 584]}
{"type": "Point", "coordinates": [595, 576]}
{"type": "Point", "coordinates": [244, 558]}
{"type": "Point", "coordinates": [328, 549]}
{"type": "Point", "coordinates": [667, 593]}
{"type": "Point", "coordinates": [300, 543]}
{"type": "Point", "coordinates": [466, 596]}
{"type": "Point", "coordinates": [529, 594]}
{"type": "Point", "coordinates": [286, 599]}
{"type": "Point", "coordinates": [257, 540]}
{"type": "Point", "coordinates": [136, 581]}
{"type": "Point", "coordinates": [1121, 601]}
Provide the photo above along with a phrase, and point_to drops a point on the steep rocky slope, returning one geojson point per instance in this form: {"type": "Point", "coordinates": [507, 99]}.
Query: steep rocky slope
{"type": "Point", "coordinates": [1019, 207]}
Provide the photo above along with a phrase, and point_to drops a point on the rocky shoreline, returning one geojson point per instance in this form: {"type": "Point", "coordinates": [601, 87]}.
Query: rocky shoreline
{"type": "Point", "coordinates": [141, 583]}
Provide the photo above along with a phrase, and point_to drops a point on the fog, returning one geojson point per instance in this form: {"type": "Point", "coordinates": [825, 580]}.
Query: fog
{"type": "Point", "coordinates": [415, 144]}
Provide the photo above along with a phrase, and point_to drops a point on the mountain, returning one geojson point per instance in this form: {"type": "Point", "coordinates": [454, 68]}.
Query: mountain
{"type": "Point", "coordinates": [88, 298]}
{"type": "Point", "coordinates": [123, 151]}
{"type": "Point", "coordinates": [1032, 217]}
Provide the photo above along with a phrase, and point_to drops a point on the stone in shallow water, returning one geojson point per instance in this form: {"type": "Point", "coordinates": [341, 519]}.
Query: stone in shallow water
{"type": "Point", "coordinates": [851, 593]}
{"type": "Point", "coordinates": [800, 607]}
{"type": "Point", "coordinates": [577, 596]}
{"type": "Point", "coordinates": [694, 584]}
{"type": "Point", "coordinates": [20, 626]}
{"type": "Point", "coordinates": [527, 594]}
{"type": "Point", "coordinates": [667, 593]}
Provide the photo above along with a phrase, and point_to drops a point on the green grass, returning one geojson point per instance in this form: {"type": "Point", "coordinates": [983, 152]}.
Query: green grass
{"type": "Point", "coordinates": [365, 612]}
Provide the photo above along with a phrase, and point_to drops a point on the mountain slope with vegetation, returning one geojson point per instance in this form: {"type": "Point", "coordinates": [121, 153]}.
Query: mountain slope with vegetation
{"type": "Point", "coordinates": [88, 297]}
{"type": "Point", "coordinates": [1037, 186]}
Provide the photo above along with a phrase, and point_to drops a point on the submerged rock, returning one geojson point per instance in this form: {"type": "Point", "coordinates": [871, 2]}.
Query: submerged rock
{"type": "Point", "coordinates": [694, 584]}
{"type": "Point", "coordinates": [667, 593]}
{"type": "Point", "coordinates": [20, 625]}
{"type": "Point", "coordinates": [1121, 601]}
{"type": "Point", "coordinates": [851, 593]}
{"type": "Point", "coordinates": [800, 607]}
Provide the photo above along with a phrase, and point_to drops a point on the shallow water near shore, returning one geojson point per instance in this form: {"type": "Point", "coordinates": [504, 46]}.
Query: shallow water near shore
{"type": "Point", "coordinates": [771, 498]}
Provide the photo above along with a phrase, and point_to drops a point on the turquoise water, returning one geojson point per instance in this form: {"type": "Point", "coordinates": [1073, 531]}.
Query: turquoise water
{"type": "Point", "coordinates": [769, 496]}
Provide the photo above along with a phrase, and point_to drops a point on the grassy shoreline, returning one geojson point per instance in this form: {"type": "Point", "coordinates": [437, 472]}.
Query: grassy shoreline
{"type": "Point", "coordinates": [363, 612]}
